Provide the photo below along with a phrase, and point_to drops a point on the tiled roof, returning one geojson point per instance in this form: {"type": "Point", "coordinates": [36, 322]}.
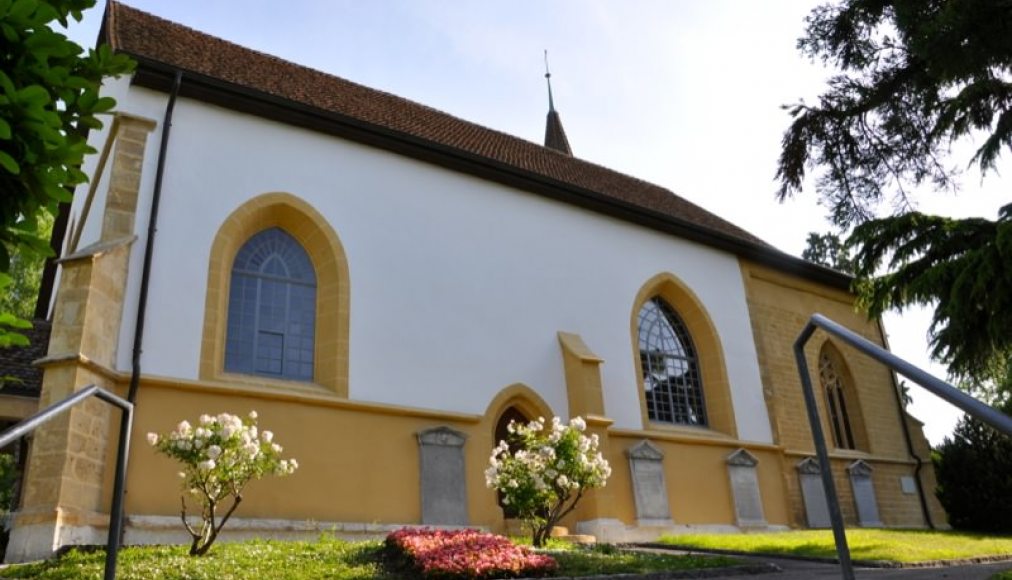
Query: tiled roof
{"type": "Point", "coordinates": [16, 362]}
{"type": "Point", "coordinates": [153, 39]}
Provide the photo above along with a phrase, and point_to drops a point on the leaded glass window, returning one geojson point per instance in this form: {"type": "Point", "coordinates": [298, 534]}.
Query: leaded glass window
{"type": "Point", "coordinates": [674, 391]}
{"type": "Point", "coordinates": [272, 309]}
{"type": "Point", "coordinates": [836, 401]}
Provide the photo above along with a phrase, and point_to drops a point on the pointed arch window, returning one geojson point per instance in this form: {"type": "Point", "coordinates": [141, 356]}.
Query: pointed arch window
{"type": "Point", "coordinates": [272, 309]}
{"type": "Point", "coordinates": [840, 400]}
{"type": "Point", "coordinates": [671, 379]}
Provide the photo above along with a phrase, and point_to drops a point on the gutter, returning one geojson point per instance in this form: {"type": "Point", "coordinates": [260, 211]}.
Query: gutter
{"type": "Point", "coordinates": [149, 245]}
{"type": "Point", "coordinates": [157, 76]}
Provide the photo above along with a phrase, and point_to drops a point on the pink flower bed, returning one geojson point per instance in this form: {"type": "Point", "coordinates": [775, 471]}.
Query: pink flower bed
{"type": "Point", "coordinates": [467, 554]}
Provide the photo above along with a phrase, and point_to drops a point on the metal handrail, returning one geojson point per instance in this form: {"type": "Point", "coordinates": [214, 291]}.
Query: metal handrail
{"type": "Point", "coordinates": [938, 387]}
{"type": "Point", "coordinates": [116, 516]}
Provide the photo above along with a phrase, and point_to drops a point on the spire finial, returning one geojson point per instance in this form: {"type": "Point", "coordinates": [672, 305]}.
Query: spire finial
{"type": "Point", "coordinates": [548, 79]}
{"type": "Point", "coordinates": [555, 135]}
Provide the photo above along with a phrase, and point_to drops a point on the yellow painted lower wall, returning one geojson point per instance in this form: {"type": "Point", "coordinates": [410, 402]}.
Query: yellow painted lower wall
{"type": "Point", "coordinates": [358, 463]}
{"type": "Point", "coordinates": [353, 466]}
{"type": "Point", "coordinates": [698, 485]}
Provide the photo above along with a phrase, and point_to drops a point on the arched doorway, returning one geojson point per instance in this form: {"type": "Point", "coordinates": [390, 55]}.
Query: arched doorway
{"type": "Point", "coordinates": [502, 434]}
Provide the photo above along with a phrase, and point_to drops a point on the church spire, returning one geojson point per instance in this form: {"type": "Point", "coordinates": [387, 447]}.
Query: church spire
{"type": "Point", "coordinates": [555, 135]}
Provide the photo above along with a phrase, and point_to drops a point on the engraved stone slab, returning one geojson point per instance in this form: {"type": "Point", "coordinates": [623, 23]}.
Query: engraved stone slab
{"type": "Point", "coordinates": [650, 490]}
{"type": "Point", "coordinates": [748, 503]}
{"type": "Point", "coordinates": [864, 494]}
{"type": "Point", "coordinates": [444, 489]}
{"type": "Point", "coordinates": [907, 485]}
{"type": "Point", "coordinates": [813, 494]}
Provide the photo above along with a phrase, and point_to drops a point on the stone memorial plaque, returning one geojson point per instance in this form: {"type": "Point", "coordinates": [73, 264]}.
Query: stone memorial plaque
{"type": "Point", "coordinates": [650, 490]}
{"type": "Point", "coordinates": [907, 485]}
{"type": "Point", "coordinates": [444, 489]}
{"type": "Point", "coordinates": [813, 494]}
{"type": "Point", "coordinates": [864, 494]}
{"type": "Point", "coordinates": [748, 503]}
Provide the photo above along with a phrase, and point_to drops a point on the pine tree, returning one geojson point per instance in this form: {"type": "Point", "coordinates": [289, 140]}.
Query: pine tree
{"type": "Point", "coordinates": [915, 76]}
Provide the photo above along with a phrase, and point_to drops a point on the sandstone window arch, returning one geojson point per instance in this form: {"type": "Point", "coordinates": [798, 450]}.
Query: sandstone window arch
{"type": "Point", "coordinates": [299, 220]}
{"type": "Point", "coordinates": [707, 355]}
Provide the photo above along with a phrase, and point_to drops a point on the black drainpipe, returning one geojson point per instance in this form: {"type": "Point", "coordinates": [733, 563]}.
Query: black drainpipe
{"type": "Point", "coordinates": [906, 436]}
{"type": "Point", "coordinates": [149, 246]}
{"type": "Point", "coordinates": [142, 302]}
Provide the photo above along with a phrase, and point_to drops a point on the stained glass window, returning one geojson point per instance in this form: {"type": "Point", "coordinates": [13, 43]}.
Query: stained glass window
{"type": "Point", "coordinates": [674, 390]}
{"type": "Point", "coordinates": [836, 401]}
{"type": "Point", "coordinates": [272, 309]}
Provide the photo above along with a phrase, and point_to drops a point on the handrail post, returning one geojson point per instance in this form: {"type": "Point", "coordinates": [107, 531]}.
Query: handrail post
{"type": "Point", "coordinates": [37, 420]}
{"type": "Point", "coordinates": [119, 484]}
{"type": "Point", "coordinates": [825, 468]}
{"type": "Point", "coordinates": [935, 386]}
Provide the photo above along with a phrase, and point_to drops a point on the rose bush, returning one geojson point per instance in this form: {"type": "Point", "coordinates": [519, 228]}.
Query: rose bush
{"type": "Point", "coordinates": [451, 554]}
{"type": "Point", "coordinates": [220, 456]}
{"type": "Point", "coordinates": [543, 473]}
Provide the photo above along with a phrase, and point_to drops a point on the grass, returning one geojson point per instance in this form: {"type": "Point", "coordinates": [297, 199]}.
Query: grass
{"type": "Point", "coordinates": [324, 558]}
{"type": "Point", "coordinates": [1006, 575]}
{"type": "Point", "coordinates": [605, 559]}
{"type": "Point", "coordinates": [904, 546]}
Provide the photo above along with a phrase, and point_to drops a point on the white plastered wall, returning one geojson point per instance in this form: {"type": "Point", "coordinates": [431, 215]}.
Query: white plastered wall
{"type": "Point", "coordinates": [458, 285]}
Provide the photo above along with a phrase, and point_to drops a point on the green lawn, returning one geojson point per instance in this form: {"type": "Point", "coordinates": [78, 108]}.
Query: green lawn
{"type": "Point", "coordinates": [891, 545]}
{"type": "Point", "coordinates": [1006, 575]}
{"type": "Point", "coordinates": [605, 559]}
{"type": "Point", "coordinates": [325, 558]}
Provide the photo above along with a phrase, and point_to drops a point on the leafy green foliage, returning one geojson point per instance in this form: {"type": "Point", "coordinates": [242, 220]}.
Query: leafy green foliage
{"type": "Point", "coordinates": [8, 479]}
{"type": "Point", "coordinates": [962, 264]}
{"type": "Point", "coordinates": [49, 99]}
{"type": "Point", "coordinates": [26, 275]}
{"type": "Point", "coordinates": [915, 76]}
{"type": "Point", "coordinates": [974, 471]}
{"type": "Point", "coordinates": [220, 457]}
{"type": "Point", "coordinates": [543, 473]}
{"type": "Point", "coordinates": [829, 251]}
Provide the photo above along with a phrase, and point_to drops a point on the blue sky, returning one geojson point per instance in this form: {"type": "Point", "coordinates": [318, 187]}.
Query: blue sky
{"type": "Point", "coordinates": [685, 94]}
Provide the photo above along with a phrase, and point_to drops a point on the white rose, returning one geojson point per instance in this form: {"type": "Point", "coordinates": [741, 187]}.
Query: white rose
{"type": "Point", "coordinates": [153, 438]}
{"type": "Point", "coordinates": [267, 436]}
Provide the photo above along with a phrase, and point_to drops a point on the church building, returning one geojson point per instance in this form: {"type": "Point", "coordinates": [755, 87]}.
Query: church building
{"type": "Point", "coordinates": [387, 285]}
